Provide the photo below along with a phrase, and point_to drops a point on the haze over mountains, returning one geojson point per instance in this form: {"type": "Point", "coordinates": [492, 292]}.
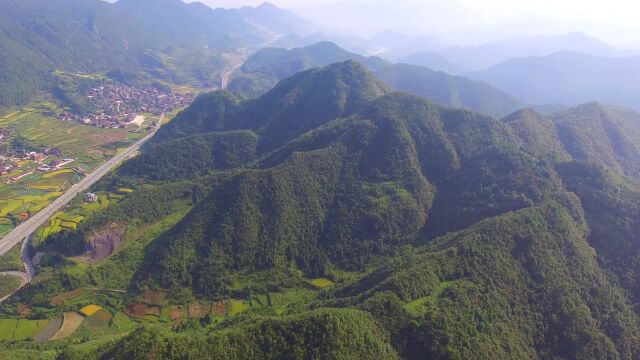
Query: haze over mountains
{"type": "Point", "coordinates": [568, 78]}
{"type": "Point", "coordinates": [329, 196]}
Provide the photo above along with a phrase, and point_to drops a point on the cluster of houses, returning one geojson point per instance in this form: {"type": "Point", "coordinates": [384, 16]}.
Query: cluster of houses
{"type": "Point", "coordinates": [10, 161]}
{"type": "Point", "coordinates": [114, 105]}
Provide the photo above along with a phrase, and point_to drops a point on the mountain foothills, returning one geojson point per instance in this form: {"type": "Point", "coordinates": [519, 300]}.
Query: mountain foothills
{"type": "Point", "coordinates": [131, 36]}
{"type": "Point", "coordinates": [436, 232]}
{"type": "Point", "coordinates": [267, 66]}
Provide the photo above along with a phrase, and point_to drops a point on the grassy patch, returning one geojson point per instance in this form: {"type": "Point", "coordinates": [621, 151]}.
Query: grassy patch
{"type": "Point", "coordinates": [12, 260]}
{"type": "Point", "coordinates": [12, 329]}
{"type": "Point", "coordinates": [238, 306]}
{"type": "Point", "coordinates": [321, 283]}
{"type": "Point", "coordinates": [8, 284]}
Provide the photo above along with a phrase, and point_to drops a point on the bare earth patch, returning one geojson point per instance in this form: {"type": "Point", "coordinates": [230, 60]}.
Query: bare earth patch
{"type": "Point", "coordinates": [108, 137]}
{"type": "Point", "coordinates": [49, 331]}
{"type": "Point", "coordinates": [103, 243]}
{"type": "Point", "coordinates": [69, 295]}
{"type": "Point", "coordinates": [72, 321]}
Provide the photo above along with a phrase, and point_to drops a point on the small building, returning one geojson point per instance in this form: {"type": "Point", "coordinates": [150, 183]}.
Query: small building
{"type": "Point", "coordinates": [24, 216]}
{"type": "Point", "coordinates": [91, 197]}
{"type": "Point", "coordinates": [36, 156]}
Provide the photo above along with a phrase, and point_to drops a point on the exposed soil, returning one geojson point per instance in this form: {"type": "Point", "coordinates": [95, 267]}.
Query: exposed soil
{"type": "Point", "coordinates": [104, 242]}
{"type": "Point", "coordinates": [219, 308]}
{"type": "Point", "coordinates": [72, 321]}
{"type": "Point", "coordinates": [178, 312]}
{"type": "Point", "coordinates": [139, 310]}
{"type": "Point", "coordinates": [23, 309]}
{"type": "Point", "coordinates": [108, 138]}
{"type": "Point", "coordinates": [49, 331]}
{"type": "Point", "coordinates": [197, 310]}
{"type": "Point", "coordinates": [69, 295]}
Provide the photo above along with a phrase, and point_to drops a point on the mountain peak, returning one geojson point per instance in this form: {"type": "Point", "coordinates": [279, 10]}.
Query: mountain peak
{"type": "Point", "coordinates": [526, 113]}
{"type": "Point", "coordinates": [267, 5]}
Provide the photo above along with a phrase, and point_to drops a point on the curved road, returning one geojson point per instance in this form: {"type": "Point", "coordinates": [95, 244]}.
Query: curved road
{"type": "Point", "coordinates": [24, 280]}
{"type": "Point", "coordinates": [26, 228]}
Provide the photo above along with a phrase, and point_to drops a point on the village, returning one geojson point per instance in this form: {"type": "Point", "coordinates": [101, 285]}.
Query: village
{"type": "Point", "coordinates": [115, 105]}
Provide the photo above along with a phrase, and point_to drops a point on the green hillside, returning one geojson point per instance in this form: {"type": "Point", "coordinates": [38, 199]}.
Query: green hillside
{"type": "Point", "coordinates": [331, 218]}
{"type": "Point", "coordinates": [166, 40]}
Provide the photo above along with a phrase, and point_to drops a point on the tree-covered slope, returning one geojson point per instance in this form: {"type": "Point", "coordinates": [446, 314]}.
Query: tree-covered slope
{"type": "Point", "coordinates": [321, 95]}
{"type": "Point", "coordinates": [266, 67]}
{"type": "Point", "coordinates": [166, 39]}
{"type": "Point", "coordinates": [603, 135]}
{"type": "Point", "coordinates": [442, 233]}
{"type": "Point", "coordinates": [525, 285]}
{"type": "Point", "coordinates": [326, 334]}
{"type": "Point", "coordinates": [347, 190]}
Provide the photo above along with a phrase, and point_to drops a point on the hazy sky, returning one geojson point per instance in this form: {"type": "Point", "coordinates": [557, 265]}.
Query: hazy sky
{"type": "Point", "coordinates": [615, 21]}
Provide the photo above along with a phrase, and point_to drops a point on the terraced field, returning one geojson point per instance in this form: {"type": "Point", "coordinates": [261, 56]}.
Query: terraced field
{"type": "Point", "coordinates": [26, 191]}
{"type": "Point", "coordinates": [90, 145]}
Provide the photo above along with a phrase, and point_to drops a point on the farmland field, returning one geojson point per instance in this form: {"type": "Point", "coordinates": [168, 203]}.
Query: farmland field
{"type": "Point", "coordinates": [12, 329]}
{"type": "Point", "coordinates": [48, 331]}
{"type": "Point", "coordinates": [26, 190]}
{"type": "Point", "coordinates": [72, 321]}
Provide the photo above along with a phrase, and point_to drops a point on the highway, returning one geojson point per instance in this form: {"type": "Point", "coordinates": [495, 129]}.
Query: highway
{"type": "Point", "coordinates": [26, 228]}
{"type": "Point", "coordinates": [226, 76]}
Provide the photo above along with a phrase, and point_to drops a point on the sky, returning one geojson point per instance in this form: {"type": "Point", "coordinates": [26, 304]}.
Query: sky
{"type": "Point", "coordinates": [615, 21]}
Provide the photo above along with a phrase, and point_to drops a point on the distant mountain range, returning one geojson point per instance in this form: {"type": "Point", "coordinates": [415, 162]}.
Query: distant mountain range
{"type": "Point", "coordinates": [482, 57]}
{"type": "Point", "coordinates": [434, 54]}
{"type": "Point", "coordinates": [266, 67]}
{"type": "Point", "coordinates": [569, 78]}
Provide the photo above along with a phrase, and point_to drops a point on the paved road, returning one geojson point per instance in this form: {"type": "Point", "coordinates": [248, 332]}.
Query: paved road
{"type": "Point", "coordinates": [226, 76]}
{"type": "Point", "coordinates": [29, 226]}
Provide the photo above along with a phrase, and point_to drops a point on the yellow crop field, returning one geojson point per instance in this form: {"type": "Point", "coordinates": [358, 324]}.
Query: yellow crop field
{"type": "Point", "coordinates": [57, 173]}
{"type": "Point", "coordinates": [90, 310]}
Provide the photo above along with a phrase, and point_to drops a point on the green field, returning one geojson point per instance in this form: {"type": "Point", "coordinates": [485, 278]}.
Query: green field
{"type": "Point", "coordinates": [12, 329]}
{"type": "Point", "coordinates": [12, 260]}
{"type": "Point", "coordinates": [8, 284]}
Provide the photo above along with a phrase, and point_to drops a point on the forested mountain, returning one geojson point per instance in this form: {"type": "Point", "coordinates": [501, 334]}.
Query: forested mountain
{"type": "Point", "coordinates": [449, 234]}
{"type": "Point", "coordinates": [570, 78]}
{"type": "Point", "coordinates": [159, 37]}
{"type": "Point", "coordinates": [277, 20]}
{"type": "Point", "coordinates": [432, 60]}
{"type": "Point", "coordinates": [265, 68]}
{"type": "Point", "coordinates": [465, 236]}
